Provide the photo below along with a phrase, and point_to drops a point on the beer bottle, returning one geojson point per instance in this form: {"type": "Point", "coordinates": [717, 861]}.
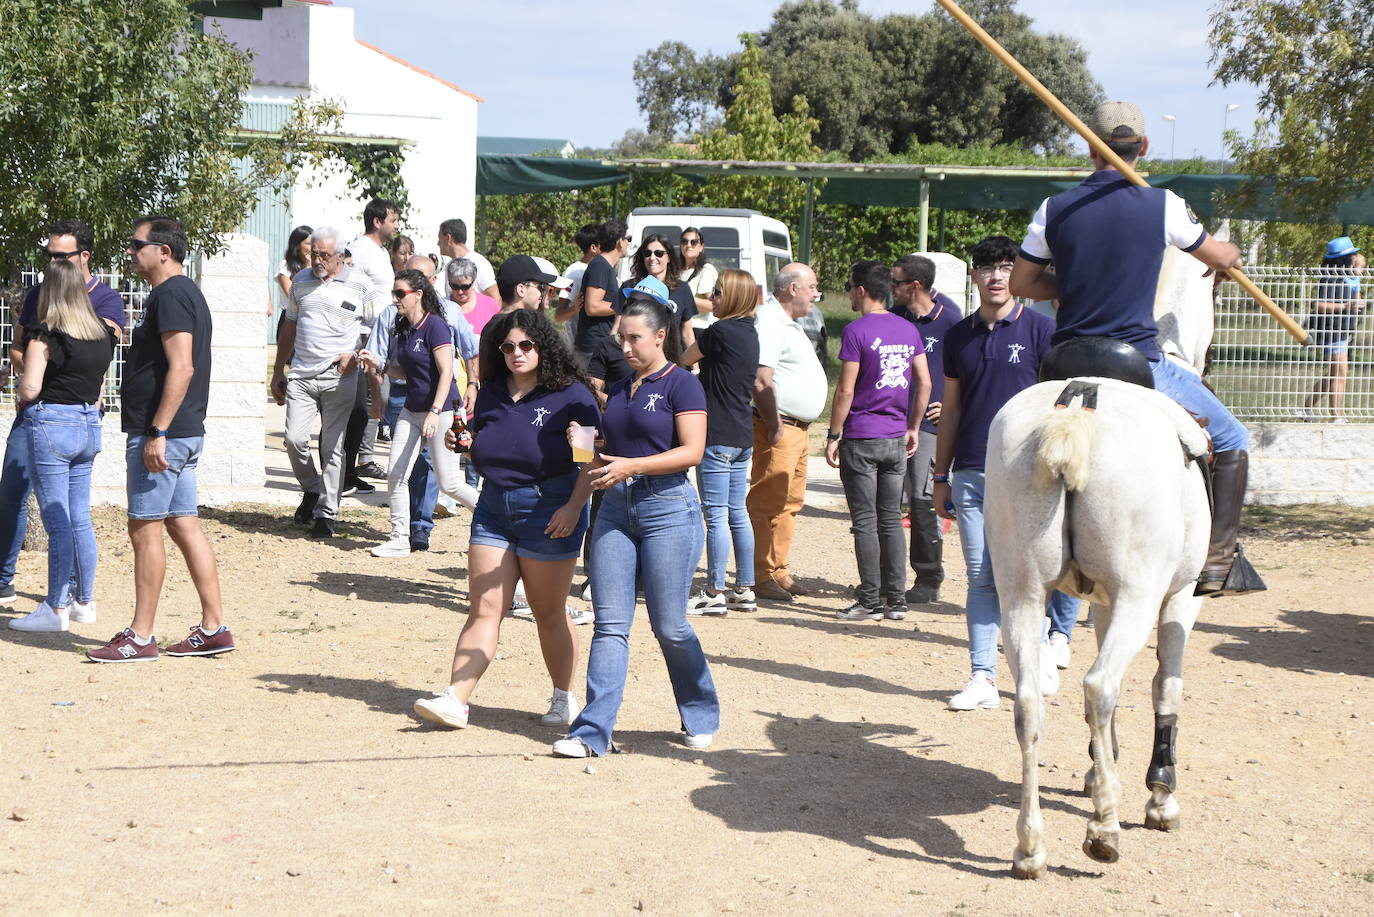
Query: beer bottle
{"type": "Point", "coordinates": [462, 439]}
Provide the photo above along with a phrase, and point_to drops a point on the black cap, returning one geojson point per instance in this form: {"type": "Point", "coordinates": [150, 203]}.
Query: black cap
{"type": "Point", "coordinates": [520, 269]}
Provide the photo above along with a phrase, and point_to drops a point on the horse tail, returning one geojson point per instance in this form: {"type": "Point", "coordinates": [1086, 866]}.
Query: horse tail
{"type": "Point", "coordinates": [1065, 447]}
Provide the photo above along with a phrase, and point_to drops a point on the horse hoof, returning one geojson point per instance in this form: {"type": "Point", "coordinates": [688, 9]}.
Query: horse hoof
{"type": "Point", "coordinates": [1028, 866]}
{"type": "Point", "coordinates": [1156, 821]}
{"type": "Point", "coordinates": [1102, 849]}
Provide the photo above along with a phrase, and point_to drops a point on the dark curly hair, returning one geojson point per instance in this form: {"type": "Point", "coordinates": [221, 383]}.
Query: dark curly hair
{"type": "Point", "coordinates": [429, 301]}
{"type": "Point", "coordinates": [640, 270]}
{"type": "Point", "coordinates": [557, 368]}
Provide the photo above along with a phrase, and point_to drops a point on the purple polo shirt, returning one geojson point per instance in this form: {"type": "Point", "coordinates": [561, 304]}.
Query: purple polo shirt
{"type": "Point", "coordinates": [108, 304]}
{"type": "Point", "coordinates": [519, 443]}
{"type": "Point", "coordinates": [415, 352]}
{"type": "Point", "coordinates": [991, 365]}
{"type": "Point", "coordinates": [644, 423]}
{"type": "Point", "coordinates": [883, 345]}
{"type": "Point", "coordinates": [932, 328]}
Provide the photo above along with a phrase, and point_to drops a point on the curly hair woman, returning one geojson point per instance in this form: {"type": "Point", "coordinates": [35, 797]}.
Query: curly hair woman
{"type": "Point", "coordinates": [532, 514]}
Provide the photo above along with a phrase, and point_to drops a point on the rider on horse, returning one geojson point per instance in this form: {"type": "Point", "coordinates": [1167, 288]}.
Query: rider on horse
{"type": "Point", "coordinates": [1106, 239]}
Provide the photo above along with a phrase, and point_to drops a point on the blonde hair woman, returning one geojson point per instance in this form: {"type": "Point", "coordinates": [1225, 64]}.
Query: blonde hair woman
{"type": "Point", "coordinates": [65, 360]}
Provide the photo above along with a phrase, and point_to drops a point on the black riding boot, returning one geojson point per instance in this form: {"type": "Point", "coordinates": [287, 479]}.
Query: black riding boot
{"type": "Point", "coordinates": [1227, 572]}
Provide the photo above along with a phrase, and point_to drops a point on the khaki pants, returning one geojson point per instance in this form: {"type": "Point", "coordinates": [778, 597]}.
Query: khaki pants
{"type": "Point", "coordinates": [777, 492]}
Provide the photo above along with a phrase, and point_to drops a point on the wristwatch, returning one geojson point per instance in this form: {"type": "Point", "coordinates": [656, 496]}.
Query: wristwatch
{"type": "Point", "coordinates": [831, 437]}
{"type": "Point", "coordinates": [155, 432]}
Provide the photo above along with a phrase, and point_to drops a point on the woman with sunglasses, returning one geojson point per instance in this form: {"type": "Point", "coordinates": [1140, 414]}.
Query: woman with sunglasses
{"type": "Point", "coordinates": [532, 514]}
{"type": "Point", "coordinates": [478, 308]}
{"type": "Point", "coordinates": [649, 528]}
{"type": "Point", "coordinates": [729, 355]}
{"type": "Point", "coordinates": [699, 274]}
{"type": "Point", "coordinates": [423, 347]}
{"type": "Point", "coordinates": [656, 258]}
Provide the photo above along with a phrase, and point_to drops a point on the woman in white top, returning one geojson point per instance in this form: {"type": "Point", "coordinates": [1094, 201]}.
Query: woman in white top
{"type": "Point", "coordinates": [296, 259]}
{"type": "Point", "coordinates": [699, 274]}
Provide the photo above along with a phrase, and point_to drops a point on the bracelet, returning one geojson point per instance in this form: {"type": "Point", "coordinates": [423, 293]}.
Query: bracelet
{"type": "Point", "coordinates": [435, 411]}
{"type": "Point", "coordinates": [940, 478]}
{"type": "Point", "coordinates": [472, 383]}
{"type": "Point", "coordinates": [831, 437]}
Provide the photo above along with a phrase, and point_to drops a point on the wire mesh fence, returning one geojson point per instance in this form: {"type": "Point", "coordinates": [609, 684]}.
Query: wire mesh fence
{"type": "Point", "coordinates": [1262, 374]}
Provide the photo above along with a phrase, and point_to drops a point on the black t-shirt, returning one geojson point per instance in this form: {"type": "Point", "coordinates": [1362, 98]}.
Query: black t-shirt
{"type": "Point", "coordinates": [729, 362]}
{"type": "Point", "coordinates": [608, 363]}
{"type": "Point", "coordinates": [76, 368]}
{"type": "Point", "coordinates": [591, 328]}
{"type": "Point", "coordinates": [684, 302]}
{"type": "Point", "coordinates": [176, 304]}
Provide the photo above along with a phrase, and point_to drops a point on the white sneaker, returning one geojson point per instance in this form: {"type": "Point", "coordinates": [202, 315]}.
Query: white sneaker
{"type": "Point", "coordinates": [563, 709]}
{"type": "Point", "coordinates": [700, 742]}
{"type": "Point", "coordinates": [1304, 414]}
{"type": "Point", "coordinates": [1341, 420]}
{"type": "Point", "coordinates": [741, 600]}
{"type": "Point", "coordinates": [1059, 650]}
{"type": "Point", "coordinates": [704, 603]}
{"type": "Point", "coordinates": [8, 595]}
{"type": "Point", "coordinates": [519, 608]}
{"type": "Point", "coordinates": [81, 614]}
{"type": "Point", "coordinates": [42, 620]}
{"type": "Point", "coordinates": [393, 547]}
{"type": "Point", "coordinates": [980, 691]}
{"type": "Point", "coordinates": [1049, 672]}
{"type": "Point", "coordinates": [568, 747]}
{"type": "Point", "coordinates": [443, 708]}
{"type": "Point", "coordinates": [857, 612]}
{"type": "Point", "coordinates": [445, 507]}
{"type": "Point", "coordinates": [581, 615]}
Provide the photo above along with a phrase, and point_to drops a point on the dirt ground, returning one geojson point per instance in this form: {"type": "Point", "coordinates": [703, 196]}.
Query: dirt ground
{"type": "Point", "coordinates": [292, 773]}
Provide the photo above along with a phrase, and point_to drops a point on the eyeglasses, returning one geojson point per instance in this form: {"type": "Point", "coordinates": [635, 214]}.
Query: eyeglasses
{"type": "Point", "coordinates": [687, 243]}
{"type": "Point", "coordinates": [715, 292]}
{"type": "Point", "coordinates": [462, 287]}
{"type": "Point", "coordinates": [58, 256]}
{"type": "Point", "coordinates": [655, 253]}
{"type": "Point", "coordinates": [990, 270]}
{"type": "Point", "coordinates": [901, 283]}
{"type": "Point", "coordinates": [137, 244]}
{"type": "Point", "coordinates": [508, 347]}
{"type": "Point", "coordinates": [542, 286]}
{"type": "Point", "coordinates": [627, 238]}
{"type": "Point", "coordinates": [321, 256]}
{"type": "Point", "coordinates": [399, 295]}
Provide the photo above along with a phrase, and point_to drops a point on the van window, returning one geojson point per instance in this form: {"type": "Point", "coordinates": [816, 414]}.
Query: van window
{"type": "Point", "coordinates": [772, 263]}
{"type": "Point", "coordinates": [722, 246]}
{"type": "Point", "coordinates": [775, 240]}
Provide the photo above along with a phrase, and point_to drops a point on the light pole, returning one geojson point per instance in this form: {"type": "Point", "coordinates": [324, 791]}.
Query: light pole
{"type": "Point", "coordinates": [1173, 131]}
{"type": "Point", "coordinates": [1225, 115]}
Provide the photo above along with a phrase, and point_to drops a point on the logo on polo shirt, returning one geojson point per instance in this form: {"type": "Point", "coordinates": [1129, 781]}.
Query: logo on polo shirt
{"type": "Point", "coordinates": [651, 404]}
{"type": "Point", "coordinates": [1015, 356]}
{"type": "Point", "coordinates": [930, 343]}
{"type": "Point", "coordinates": [418, 346]}
{"type": "Point", "coordinates": [539, 415]}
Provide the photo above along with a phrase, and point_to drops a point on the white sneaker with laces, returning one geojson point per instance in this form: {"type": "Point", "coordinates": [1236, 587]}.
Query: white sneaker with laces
{"type": "Point", "coordinates": [444, 709]}
{"type": "Point", "coordinates": [581, 615]}
{"type": "Point", "coordinates": [519, 608]}
{"type": "Point", "coordinates": [568, 747]}
{"type": "Point", "coordinates": [563, 709]}
{"type": "Point", "coordinates": [704, 603]}
{"type": "Point", "coordinates": [857, 612]}
{"type": "Point", "coordinates": [42, 620]}
{"type": "Point", "coordinates": [741, 600]}
{"type": "Point", "coordinates": [81, 614]}
{"type": "Point", "coordinates": [700, 743]}
{"type": "Point", "coordinates": [1059, 650]}
{"type": "Point", "coordinates": [393, 547]}
{"type": "Point", "coordinates": [980, 691]}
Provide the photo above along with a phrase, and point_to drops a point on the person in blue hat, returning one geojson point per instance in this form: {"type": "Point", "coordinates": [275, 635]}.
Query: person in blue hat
{"type": "Point", "coordinates": [1332, 321]}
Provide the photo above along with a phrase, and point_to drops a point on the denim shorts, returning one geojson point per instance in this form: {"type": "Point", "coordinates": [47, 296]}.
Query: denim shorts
{"type": "Point", "coordinates": [167, 493]}
{"type": "Point", "coordinates": [514, 518]}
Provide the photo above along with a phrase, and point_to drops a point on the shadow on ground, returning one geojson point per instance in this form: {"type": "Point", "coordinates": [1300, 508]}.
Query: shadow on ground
{"type": "Point", "coordinates": [1311, 641]}
{"type": "Point", "coordinates": [394, 589]}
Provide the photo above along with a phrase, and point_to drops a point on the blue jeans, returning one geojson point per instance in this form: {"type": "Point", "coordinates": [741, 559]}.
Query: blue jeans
{"type": "Point", "coordinates": [63, 442]}
{"type": "Point", "coordinates": [723, 477]}
{"type": "Point", "coordinates": [1187, 389]}
{"type": "Point", "coordinates": [424, 489]}
{"type": "Point", "coordinates": [983, 611]}
{"type": "Point", "coordinates": [14, 498]}
{"type": "Point", "coordinates": [650, 526]}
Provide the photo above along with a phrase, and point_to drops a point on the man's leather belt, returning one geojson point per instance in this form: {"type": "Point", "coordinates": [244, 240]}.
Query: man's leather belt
{"type": "Point", "coordinates": [789, 421]}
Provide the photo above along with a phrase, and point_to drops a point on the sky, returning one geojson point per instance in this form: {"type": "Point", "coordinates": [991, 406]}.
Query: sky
{"type": "Point", "coordinates": [525, 66]}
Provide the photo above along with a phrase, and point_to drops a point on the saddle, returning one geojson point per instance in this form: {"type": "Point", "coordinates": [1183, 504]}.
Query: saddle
{"type": "Point", "coordinates": [1105, 358]}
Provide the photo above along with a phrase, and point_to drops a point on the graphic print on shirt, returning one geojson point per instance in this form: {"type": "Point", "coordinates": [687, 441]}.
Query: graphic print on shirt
{"type": "Point", "coordinates": [651, 404]}
{"type": "Point", "coordinates": [930, 343]}
{"type": "Point", "coordinates": [539, 415]}
{"type": "Point", "coordinates": [418, 346]}
{"type": "Point", "coordinates": [894, 363]}
{"type": "Point", "coordinates": [1015, 355]}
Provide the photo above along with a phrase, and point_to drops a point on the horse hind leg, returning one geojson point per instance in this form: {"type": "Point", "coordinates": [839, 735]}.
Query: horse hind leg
{"type": "Point", "coordinates": [1021, 638]}
{"type": "Point", "coordinates": [1162, 811]}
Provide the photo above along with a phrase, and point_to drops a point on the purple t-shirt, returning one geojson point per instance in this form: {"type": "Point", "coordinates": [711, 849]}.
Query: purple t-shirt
{"type": "Point", "coordinates": [932, 328]}
{"type": "Point", "coordinates": [645, 423]}
{"type": "Point", "coordinates": [991, 365]}
{"type": "Point", "coordinates": [415, 352]}
{"type": "Point", "coordinates": [108, 304]}
{"type": "Point", "coordinates": [883, 345]}
{"type": "Point", "coordinates": [519, 443]}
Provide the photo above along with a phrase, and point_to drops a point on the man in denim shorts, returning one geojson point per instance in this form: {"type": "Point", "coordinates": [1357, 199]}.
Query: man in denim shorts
{"type": "Point", "coordinates": [163, 401]}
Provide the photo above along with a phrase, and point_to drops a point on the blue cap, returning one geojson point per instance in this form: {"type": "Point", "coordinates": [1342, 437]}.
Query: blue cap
{"type": "Point", "coordinates": [653, 288]}
{"type": "Point", "coordinates": [1340, 247]}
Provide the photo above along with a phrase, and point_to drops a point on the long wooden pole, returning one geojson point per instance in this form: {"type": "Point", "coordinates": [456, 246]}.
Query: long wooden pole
{"type": "Point", "coordinates": [1298, 332]}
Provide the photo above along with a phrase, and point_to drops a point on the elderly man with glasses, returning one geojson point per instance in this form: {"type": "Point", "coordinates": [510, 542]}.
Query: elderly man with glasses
{"type": "Point", "coordinates": [330, 308]}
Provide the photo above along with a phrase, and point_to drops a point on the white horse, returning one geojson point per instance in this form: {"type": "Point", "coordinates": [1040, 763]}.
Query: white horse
{"type": "Point", "coordinates": [1105, 502]}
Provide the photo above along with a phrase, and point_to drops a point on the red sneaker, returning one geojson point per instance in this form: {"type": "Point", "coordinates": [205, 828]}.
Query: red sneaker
{"type": "Point", "coordinates": [124, 648]}
{"type": "Point", "coordinates": [199, 643]}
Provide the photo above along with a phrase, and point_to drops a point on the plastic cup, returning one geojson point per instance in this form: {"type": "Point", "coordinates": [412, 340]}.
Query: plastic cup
{"type": "Point", "coordinates": [584, 444]}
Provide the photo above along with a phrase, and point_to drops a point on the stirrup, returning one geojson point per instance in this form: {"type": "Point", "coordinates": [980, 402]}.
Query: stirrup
{"type": "Point", "coordinates": [1240, 579]}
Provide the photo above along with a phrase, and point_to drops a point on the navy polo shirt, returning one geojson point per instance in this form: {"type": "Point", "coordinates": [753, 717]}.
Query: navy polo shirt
{"type": "Point", "coordinates": [415, 353]}
{"type": "Point", "coordinates": [108, 304]}
{"type": "Point", "coordinates": [1107, 239]}
{"type": "Point", "coordinates": [641, 423]}
{"type": "Point", "coordinates": [933, 326]}
{"type": "Point", "coordinates": [991, 365]}
{"type": "Point", "coordinates": [519, 443]}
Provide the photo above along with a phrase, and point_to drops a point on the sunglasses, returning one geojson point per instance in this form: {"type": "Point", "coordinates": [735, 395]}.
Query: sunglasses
{"type": "Point", "coordinates": [399, 295]}
{"type": "Point", "coordinates": [628, 238]}
{"type": "Point", "coordinates": [58, 256]}
{"type": "Point", "coordinates": [321, 256]}
{"type": "Point", "coordinates": [462, 287]}
{"type": "Point", "coordinates": [688, 242]}
{"type": "Point", "coordinates": [137, 244]}
{"type": "Point", "coordinates": [655, 253]}
{"type": "Point", "coordinates": [715, 292]}
{"type": "Point", "coordinates": [508, 347]}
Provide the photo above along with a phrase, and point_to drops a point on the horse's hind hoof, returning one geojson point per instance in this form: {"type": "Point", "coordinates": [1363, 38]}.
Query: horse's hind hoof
{"type": "Point", "coordinates": [1102, 849]}
{"type": "Point", "coordinates": [1028, 866]}
{"type": "Point", "coordinates": [1156, 821]}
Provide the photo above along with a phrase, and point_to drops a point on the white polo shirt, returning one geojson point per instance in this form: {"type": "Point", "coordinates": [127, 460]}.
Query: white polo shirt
{"type": "Point", "coordinates": [330, 317]}
{"type": "Point", "coordinates": [373, 262]}
{"type": "Point", "coordinates": [798, 375]}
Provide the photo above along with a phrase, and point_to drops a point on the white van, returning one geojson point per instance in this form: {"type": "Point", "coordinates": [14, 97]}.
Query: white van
{"type": "Point", "coordinates": [742, 239]}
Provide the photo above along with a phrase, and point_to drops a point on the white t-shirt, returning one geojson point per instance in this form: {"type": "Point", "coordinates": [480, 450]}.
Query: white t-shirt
{"type": "Point", "coordinates": [701, 285]}
{"type": "Point", "coordinates": [374, 263]}
{"type": "Point", "coordinates": [486, 277]}
{"type": "Point", "coordinates": [798, 375]}
{"type": "Point", "coordinates": [330, 317]}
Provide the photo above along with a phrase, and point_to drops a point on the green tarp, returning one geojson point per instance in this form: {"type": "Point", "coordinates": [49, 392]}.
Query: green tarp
{"type": "Point", "coordinates": [499, 173]}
